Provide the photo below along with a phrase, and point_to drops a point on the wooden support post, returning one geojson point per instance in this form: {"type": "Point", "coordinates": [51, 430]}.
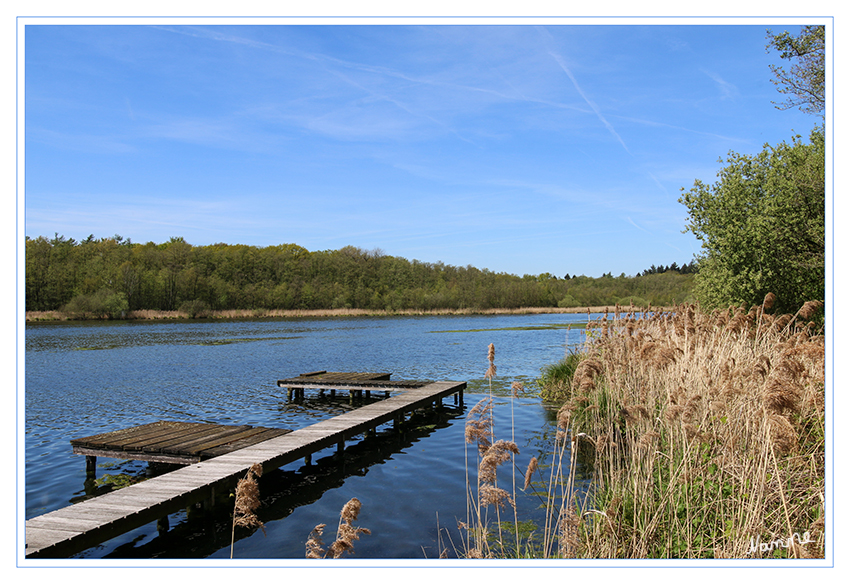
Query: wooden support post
{"type": "Point", "coordinates": [340, 447]}
{"type": "Point", "coordinates": [91, 466]}
{"type": "Point", "coordinates": [162, 525]}
{"type": "Point", "coordinates": [308, 460]}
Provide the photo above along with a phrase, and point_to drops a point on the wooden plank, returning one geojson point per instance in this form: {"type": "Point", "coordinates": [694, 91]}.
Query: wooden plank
{"type": "Point", "coordinates": [213, 438]}
{"type": "Point", "coordinates": [129, 434]}
{"type": "Point", "coordinates": [265, 434]}
{"type": "Point", "coordinates": [181, 438]}
{"type": "Point", "coordinates": [150, 439]}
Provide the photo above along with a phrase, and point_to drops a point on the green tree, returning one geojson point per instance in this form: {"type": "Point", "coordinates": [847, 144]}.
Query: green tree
{"type": "Point", "coordinates": [804, 83]}
{"type": "Point", "coordinates": [762, 227]}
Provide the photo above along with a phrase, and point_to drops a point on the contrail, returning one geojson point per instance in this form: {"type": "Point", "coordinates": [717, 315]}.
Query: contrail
{"type": "Point", "coordinates": [590, 103]}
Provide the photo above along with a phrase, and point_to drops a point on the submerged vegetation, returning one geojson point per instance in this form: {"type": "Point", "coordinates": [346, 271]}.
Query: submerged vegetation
{"type": "Point", "coordinates": [704, 435]}
{"type": "Point", "coordinates": [115, 278]}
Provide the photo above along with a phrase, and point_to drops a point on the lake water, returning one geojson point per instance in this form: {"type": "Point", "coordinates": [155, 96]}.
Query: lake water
{"type": "Point", "coordinates": [85, 379]}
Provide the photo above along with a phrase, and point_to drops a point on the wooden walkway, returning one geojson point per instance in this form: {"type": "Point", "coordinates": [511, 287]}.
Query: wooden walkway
{"type": "Point", "coordinates": [73, 529]}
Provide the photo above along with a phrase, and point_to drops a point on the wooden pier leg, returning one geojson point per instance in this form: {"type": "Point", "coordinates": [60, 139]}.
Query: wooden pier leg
{"type": "Point", "coordinates": [333, 393]}
{"type": "Point", "coordinates": [308, 460]}
{"type": "Point", "coordinates": [368, 393]}
{"type": "Point", "coordinates": [162, 525]}
{"type": "Point", "coordinates": [91, 465]}
{"type": "Point", "coordinates": [340, 447]}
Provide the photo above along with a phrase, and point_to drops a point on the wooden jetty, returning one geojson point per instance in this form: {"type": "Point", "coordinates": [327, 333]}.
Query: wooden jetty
{"type": "Point", "coordinates": [73, 529]}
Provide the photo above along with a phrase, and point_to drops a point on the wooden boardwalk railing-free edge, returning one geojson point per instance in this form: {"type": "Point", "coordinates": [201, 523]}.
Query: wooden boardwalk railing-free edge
{"type": "Point", "coordinates": [70, 530]}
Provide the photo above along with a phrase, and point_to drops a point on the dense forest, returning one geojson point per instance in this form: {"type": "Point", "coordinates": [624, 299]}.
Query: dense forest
{"type": "Point", "coordinates": [111, 276]}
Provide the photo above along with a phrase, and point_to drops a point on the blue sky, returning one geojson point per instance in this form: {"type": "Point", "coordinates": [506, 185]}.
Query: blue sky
{"type": "Point", "coordinates": [517, 148]}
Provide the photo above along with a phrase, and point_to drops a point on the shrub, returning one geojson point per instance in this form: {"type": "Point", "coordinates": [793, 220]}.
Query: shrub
{"type": "Point", "coordinates": [103, 303]}
{"type": "Point", "coordinates": [195, 309]}
{"type": "Point", "coordinates": [568, 301]}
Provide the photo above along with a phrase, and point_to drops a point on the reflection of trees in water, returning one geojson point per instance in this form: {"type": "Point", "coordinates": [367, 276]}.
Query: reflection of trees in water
{"type": "Point", "coordinates": [200, 533]}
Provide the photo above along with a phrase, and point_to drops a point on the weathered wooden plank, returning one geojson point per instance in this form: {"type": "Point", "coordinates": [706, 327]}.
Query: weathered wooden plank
{"type": "Point", "coordinates": [264, 435]}
{"type": "Point", "coordinates": [119, 437]}
{"type": "Point", "coordinates": [210, 440]}
{"type": "Point", "coordinates": [188, 437]}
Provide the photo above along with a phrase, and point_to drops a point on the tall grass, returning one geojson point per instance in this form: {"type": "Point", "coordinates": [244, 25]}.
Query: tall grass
{"type": "Point", "coordinates": [704, 435]}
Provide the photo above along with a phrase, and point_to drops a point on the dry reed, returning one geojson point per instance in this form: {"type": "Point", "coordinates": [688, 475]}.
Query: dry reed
{"type": "Point", "coordinates": [709, 433]}
{"type": "Point", "coordinates": [247, 502]}
{"type": "Point", "coordinates": [346, 534]}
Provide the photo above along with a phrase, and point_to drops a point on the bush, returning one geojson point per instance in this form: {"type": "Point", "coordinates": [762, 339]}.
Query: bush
{"type": "Point", "coordinates": [195, 309]}
{"type": "Point", "coordinates": [103, 303]}
{"type": "Point", "coordinates": [568, 301]}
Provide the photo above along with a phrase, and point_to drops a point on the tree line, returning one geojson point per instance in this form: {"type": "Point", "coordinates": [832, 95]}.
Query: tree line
{"type": "Point", "coordinates": [113, 275]}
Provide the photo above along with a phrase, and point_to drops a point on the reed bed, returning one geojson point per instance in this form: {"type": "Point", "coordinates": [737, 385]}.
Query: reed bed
{"type": "Point", "coordinates": [704, 435]}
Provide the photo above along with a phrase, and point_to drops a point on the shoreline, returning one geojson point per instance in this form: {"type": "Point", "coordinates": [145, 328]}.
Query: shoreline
{"type": "Point", "coordinates": [57, 316]}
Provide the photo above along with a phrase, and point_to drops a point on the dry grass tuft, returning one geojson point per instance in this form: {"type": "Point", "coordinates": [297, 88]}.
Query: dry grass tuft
{"type": "Point", "coordinates": [247, 502]}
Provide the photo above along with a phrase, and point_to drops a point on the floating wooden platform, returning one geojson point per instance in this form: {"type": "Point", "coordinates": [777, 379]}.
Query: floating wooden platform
{"type": "Point", "coordinates": [73, 529]}
{"type": "Point", "coordinates": [172, 442]}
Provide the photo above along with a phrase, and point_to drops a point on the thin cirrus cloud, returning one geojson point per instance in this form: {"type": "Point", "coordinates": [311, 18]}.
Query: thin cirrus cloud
{"type": "Point", "coordinates": [727, 90]}
{"type": "Point", "coordinates": [605, 122]}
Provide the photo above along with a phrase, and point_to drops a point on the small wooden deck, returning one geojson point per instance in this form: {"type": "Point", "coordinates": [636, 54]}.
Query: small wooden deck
{"type": "Point", "coordinates": [73, 529]}
{"type": "Point", "coordinates": [171, 442]}
{"type": "Point", "coordinates": [355, 383]}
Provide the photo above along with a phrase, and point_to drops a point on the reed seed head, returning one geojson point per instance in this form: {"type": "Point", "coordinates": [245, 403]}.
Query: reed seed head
{"type": "Point", "coordinates": [315, 547]}
{"type": "Point", "coordinates": [532, 466]}
{"type": "Point", "coordinates": [248, 499]}
{"type": "Point", "coordinates": [769, 300]}
{"type": "Point", "coordinates": [809, 309]}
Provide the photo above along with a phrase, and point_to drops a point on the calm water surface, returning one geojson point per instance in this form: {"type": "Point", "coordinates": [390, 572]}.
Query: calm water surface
{"type": "Point", "coordinates": [84, 379]}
